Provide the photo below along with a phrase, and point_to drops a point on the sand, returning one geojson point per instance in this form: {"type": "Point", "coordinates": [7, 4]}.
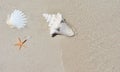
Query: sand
{"type": "Point", "coordinates": [94, 48]}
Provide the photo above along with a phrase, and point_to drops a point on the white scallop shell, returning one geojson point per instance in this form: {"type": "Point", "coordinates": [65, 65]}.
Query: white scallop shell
{"type": "Point", "coordinates": [58, 25]}
{"type": "Point", "coordinates": [17, 19]}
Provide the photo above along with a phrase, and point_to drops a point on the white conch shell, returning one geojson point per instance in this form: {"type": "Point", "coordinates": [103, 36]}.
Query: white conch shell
{"type": "Point", "coordinates": [17, 19]}
{"type": "Point", "coordinates": [57, 25]}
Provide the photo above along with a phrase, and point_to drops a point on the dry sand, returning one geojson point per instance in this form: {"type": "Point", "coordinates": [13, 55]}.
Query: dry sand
{"type": "Point", "coordinates": [95, 48]}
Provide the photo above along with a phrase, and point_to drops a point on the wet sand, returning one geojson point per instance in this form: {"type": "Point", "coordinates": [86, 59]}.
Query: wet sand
{"type": "Point", "coordinates": [94, 48]}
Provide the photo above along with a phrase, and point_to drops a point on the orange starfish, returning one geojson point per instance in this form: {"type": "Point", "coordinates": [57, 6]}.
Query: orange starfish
{"type": "Point", "coordinates": [20, 43]}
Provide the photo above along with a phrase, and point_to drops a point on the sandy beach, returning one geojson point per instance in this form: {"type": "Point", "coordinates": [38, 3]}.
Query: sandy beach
{"type": "Point", "coordinates": [94, 48]}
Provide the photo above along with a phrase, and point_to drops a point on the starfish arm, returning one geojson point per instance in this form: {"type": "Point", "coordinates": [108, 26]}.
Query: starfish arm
{"type": "Point", "coordinates": [19, 39]}
{"type": "Point", "coordinates": [24, 41]}
{"type": "Point", "coordinates": [20, 47]}
{"type": "Point", "coordinates": [16, 44]}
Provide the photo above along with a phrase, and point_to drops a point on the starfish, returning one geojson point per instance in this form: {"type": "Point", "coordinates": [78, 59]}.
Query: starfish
{"type": "Point", "coordinates": [20, 43]}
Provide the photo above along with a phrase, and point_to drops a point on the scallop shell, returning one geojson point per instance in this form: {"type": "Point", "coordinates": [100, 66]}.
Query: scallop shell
{"type": "Point", "coordinates": [17, 19]}
{"type": "Point", "coordinates": [58, 25]}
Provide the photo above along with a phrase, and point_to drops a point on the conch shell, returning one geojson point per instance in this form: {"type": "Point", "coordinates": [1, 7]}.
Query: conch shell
{"type": "Point", "coordinates": [58, 25]}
